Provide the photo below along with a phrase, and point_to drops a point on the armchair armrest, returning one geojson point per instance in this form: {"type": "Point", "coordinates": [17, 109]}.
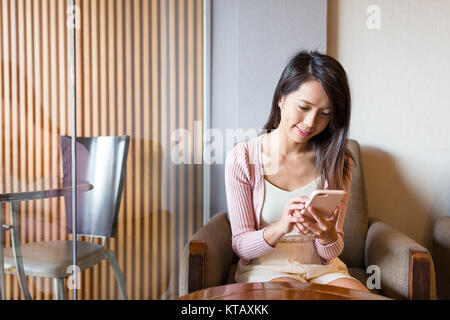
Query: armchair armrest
{"type": "Point", "coordinates": [207, 257]}
{"type": "Point", "coordinates": [407, 270]}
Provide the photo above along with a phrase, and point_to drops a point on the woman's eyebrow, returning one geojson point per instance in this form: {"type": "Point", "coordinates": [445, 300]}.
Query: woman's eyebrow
{"type": "Point", "coordinates": [307, 102]}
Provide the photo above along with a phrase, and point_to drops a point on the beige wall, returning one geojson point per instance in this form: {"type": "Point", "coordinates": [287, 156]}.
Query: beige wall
{"type": "Point", "coordinates": [400, 82]}
{"type": "Point", "coordinates": [246, 65]}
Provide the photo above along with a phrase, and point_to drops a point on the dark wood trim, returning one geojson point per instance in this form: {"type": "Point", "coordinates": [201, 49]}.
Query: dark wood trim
{"type": "Point", "coordinates": [419, 275]}
{"type": "Point", "coordinates": [196, 273]}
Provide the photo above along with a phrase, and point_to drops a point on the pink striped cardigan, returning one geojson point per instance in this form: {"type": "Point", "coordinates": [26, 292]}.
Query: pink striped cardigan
{"type": "Point", "coordinates": [244, 183]}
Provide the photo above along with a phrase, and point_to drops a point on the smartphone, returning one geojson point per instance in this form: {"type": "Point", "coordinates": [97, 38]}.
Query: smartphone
{"type": "Point", "coordinates": [325, 201]}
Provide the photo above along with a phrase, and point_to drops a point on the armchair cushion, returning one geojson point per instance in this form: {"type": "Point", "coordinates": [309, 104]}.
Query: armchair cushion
{"type": "Point", "coordinates": [218, 255]}
{"type": "Point", "coordinates": [390, 250]}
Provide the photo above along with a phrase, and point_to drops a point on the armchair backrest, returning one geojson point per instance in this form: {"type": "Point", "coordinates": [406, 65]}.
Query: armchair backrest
{"type": "Point", "coordinates": [356, 219]}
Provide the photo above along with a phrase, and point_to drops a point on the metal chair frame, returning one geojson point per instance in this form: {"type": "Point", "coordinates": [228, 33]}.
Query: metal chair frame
{"type": "Point", "coordinates": [58, 283]}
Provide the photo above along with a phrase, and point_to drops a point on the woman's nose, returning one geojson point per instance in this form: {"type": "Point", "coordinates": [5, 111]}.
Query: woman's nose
{"type": "Point", "coordinates": [309, 121]}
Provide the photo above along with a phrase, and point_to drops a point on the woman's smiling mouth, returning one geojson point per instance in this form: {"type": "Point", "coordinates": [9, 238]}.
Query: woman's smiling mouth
{"type": "Point", "coordinates": [303, 133]}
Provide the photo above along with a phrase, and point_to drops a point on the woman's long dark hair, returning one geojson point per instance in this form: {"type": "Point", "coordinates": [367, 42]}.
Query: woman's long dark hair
{"type": "Point", "coordinates": [333, 158]}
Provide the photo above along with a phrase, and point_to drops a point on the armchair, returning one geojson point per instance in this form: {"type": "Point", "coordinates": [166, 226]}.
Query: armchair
{"type": "Point", "coordinates": [407, 270]}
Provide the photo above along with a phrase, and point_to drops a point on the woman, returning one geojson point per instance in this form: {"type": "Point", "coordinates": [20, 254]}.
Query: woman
{"type": "Point", "coordinates": [268, 180]}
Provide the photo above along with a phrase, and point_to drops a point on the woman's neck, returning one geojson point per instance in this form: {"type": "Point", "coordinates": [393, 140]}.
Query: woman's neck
{"type": "Point", "coordinates": [279, 142]}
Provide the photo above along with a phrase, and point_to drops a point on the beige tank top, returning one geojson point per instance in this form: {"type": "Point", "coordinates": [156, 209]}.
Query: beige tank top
{"type": "Point", "coordinates": [275, 199]}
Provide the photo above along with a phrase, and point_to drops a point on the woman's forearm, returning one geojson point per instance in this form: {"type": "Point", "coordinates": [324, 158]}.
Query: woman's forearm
{"type": "Point", "coordinates": [272, 234]}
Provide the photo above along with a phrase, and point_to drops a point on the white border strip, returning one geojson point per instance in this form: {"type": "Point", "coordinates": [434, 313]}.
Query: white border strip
{"type": "Point", "coordinates": [206, 106]}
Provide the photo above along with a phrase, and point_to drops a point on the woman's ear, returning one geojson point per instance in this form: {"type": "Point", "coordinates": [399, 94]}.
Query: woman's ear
{"type": "Point", "coordinates": [281, 101]}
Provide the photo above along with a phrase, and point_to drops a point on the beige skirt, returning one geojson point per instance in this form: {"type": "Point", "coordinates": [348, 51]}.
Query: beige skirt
{"type": "Point", "coordinates": [293, 257]}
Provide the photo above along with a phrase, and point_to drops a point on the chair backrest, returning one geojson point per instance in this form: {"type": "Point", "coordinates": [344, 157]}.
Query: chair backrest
{"type": "Point", "coordinates": [356, 219]}
{"type": "Point", "coordinates": [101, 161]}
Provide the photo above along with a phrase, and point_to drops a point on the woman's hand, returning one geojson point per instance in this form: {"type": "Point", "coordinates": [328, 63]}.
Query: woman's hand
{"type": "Point", "coordinates": [288, 220]}
{"type": "Point", "coordinates": [274, 232]}
{"type": "Point", "coordinates": [323, 228]}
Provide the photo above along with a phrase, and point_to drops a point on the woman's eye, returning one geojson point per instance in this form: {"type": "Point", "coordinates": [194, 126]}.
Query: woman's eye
{"type": "Point", "coordinates": [326, 114]}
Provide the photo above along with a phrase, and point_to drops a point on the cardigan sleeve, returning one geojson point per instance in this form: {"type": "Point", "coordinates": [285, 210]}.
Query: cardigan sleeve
{"type": "Point", "coordinates": [247, 242]}
{"type": "Point", "coordinates": [332, 250]}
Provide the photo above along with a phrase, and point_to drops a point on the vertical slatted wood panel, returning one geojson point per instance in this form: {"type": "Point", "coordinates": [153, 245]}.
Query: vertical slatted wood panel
{"type": "Point", "coordinates": [139, 73]}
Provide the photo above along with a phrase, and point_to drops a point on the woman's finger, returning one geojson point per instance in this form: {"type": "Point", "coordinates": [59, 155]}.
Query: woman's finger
{"type": "Point", "coordinates": [302, 228]}
{"type": "Point", "coordinates": [294, 219]}
{"type": "Point", "coordinates": [306, 231]}
{"type": "Point", "coordinates": [298, 228]}
{"type": "Point", "coordinates": [319, 220]}
{"type": "Point", "coordinates": [296, 213]}
{"type": "Point", "coordinates": [294, 207]}
{"type": "Point", "coordinates": [312, 227]}
{"type": "Point", "coordinates": [334, 215]}
{"type": "Point", "coordinates": [299, 199]}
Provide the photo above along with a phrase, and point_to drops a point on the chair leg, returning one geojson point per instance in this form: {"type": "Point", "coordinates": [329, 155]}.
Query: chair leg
{"type": "Point", "coordinates": [117, 273]}
{"type": "Point", "coordinates": [58, 289]}
{"type": "Point", "coordinates": [18, 258]}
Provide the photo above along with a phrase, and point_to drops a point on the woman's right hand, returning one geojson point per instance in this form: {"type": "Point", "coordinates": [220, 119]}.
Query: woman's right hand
{"type": "Point", "coordinates": [277, 230]}
{"type": "Point", "coordinates": [288, 220]}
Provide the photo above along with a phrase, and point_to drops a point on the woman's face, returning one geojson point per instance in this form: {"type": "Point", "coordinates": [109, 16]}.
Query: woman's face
{"type": "Point", "coordinates": [307, 109]}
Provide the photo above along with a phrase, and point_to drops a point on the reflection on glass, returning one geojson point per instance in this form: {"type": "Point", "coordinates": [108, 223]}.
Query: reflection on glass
{"type": "Point", "coordinates": [139, 73]}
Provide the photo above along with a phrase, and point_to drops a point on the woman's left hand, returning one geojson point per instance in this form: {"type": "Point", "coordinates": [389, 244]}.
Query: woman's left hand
{"type": "Point", "coordinates": [324, 228]}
